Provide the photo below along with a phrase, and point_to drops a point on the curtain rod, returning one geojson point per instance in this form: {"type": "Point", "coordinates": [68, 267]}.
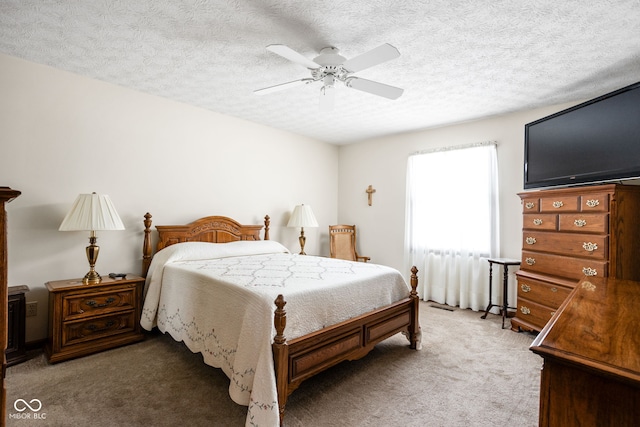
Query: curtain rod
{"type": "Point", "coordinates": [455, 147]}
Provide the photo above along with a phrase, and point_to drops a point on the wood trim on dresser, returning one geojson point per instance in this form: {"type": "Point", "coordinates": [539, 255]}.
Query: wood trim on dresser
{"type": "Point", "coordinates": [570, 233]}
{"type": "Point", "coordinates": [6, 195]}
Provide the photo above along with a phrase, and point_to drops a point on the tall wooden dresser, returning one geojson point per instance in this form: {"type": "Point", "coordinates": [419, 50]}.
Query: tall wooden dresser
{"type": "Point", "coordinates": [570, 233]}
{"type": "Point", "coordinates": [6, 195]}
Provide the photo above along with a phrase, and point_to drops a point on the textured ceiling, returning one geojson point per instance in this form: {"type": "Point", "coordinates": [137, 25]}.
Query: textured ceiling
{"type": "Point", "coordinates": [460, 60]}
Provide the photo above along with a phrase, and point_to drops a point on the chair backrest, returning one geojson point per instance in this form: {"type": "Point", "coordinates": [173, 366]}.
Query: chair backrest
{"type": "Point", "coordinates": [342, 242]}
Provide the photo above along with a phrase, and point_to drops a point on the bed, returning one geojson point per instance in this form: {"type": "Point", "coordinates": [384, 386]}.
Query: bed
{"type": "Point", "coordinates": [227, 302]}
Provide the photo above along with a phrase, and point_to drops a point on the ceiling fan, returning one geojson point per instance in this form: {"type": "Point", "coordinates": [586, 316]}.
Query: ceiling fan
{"type": "Point", "coordinates": [330, 66]}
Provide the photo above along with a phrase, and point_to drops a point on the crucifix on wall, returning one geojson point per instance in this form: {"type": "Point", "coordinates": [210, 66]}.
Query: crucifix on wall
{"type": "Point", "coordinates": [370, 190]}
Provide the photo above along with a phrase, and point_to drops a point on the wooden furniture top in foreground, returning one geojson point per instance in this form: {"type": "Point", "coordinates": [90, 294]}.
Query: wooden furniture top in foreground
{"type": "Point", "coordinates": [597, 329]}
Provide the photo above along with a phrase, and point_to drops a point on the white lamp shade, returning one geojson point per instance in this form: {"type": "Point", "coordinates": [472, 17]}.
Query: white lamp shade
{"type": "Point", "coordinates": [302, 216]}
{"type": "Point", "coordinates": [92, 212]}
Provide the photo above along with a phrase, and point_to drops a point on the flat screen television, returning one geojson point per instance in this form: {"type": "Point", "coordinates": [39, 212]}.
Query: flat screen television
{"type": "Point", "coordinates": [596, 141]}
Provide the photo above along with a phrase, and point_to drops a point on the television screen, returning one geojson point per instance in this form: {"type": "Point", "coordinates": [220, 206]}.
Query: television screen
{"type": "Point", "coordinates": [595, 141]}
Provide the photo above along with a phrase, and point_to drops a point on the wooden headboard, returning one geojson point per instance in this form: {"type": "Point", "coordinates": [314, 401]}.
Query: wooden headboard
{"type": "Point", "coordinates": [213, 229]}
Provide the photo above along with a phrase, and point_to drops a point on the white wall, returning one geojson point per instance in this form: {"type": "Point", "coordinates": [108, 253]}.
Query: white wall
{"type": "Point", "coordinates": [62, 134]}
{"type": "Point", "coordinates": [382, 163]}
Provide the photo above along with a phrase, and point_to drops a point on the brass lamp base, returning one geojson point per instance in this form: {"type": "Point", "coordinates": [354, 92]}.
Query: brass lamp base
{"type": "Point", "coordinates": [92, 277]}
{"type": "Point", "coordinates": [302, 241]}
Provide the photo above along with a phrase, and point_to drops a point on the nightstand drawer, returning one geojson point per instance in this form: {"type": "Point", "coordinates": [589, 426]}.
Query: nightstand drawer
{"type": "Point", "coordinates": [98, 327]}
{"type": "Point", "coordinates": [97, 303]}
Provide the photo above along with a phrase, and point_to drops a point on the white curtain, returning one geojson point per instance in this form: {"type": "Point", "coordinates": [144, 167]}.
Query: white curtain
{"type": "Point", "coordinates": [452, 222]}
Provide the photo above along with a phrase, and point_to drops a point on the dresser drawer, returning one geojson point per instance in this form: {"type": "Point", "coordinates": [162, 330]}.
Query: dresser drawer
{"type": "Point", "coordinates": [547, 294]}
{"type": "Point", "coordinates": [595, 202]}
{"type": "Point", "coordinates": [563, 266]}
{"type": "Point", "coordinates": [97, 303]}
{"type": "Point", "coordinates": [581, 245]}
{"type": "Point", "coordinates": [536, 314]}
{"type": "Point", "coordinates": [540, 222]}
{"type": "Point", "coordinates": [560, 204]}
{"type": "Point", "coordinates": [584, 223]}
{"type": "Point", "coordinates": [98, 327]}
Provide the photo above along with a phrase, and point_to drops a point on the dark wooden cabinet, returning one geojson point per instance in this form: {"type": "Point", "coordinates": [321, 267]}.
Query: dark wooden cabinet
{"type": "Point", "coordinates": [571, 233]}
{"type": "Point", "coordinates": [85, 319]}
{"type": "Point", "coordinates": [16, 322]}
{"type": "Point", "coordinates": [591, 372]}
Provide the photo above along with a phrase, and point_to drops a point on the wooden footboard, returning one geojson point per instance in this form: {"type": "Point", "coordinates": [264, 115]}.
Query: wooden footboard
{"type": "Point", "coordinates": [301, 358]}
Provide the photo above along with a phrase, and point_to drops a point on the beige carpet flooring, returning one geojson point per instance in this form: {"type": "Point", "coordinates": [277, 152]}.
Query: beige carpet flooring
{"type": "Point", "coordinates": [470, 372]}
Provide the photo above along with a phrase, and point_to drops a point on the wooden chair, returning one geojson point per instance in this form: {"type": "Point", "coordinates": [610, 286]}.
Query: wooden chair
{"type": "Point", "coordinates": [342, 243]}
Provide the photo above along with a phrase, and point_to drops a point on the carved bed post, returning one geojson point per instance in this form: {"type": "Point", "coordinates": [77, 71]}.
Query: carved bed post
{"type": "Point", "coordinates": [146, 247]}
{"type": "Point", "coordinates": [267, 221]}
{"type": "Point", "coordinates": [415, 301]}
{"type": "Point", "coordinates": [281, 355]}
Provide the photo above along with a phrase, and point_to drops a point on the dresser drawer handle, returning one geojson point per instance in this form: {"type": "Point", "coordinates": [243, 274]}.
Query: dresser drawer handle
{"type": "Point", "coordinates": [593, 203]}
{"type": "Point", "coordinates": [530, 240]}
{"type": "Point", "coordinates": [580, 222]}
{"type": "Point", "coordinates": [525, 288]}
{"type": "Point", "coordinates": [530, 261]}
{"type": "Point", "coordinates": [589, 247]}
{"type": "Point", "coordinates": [553, 313]}
{"type": "Point", "coordinates": [588, 271]}
{"type": "Point", "coordinates": [525, 310]}
{"type": "Point", "coordinates": [537, 221]}
{"type": "Point", "coordinates": [106, 326]}
{"type": "Point", "coordinates": [94, 304]}
{"type": "Point", "coordinates": [554, 289]}
{"type": "Point", "coordinates": [558, 204]}
{"type": "Point", "coordinates": [529, 205]}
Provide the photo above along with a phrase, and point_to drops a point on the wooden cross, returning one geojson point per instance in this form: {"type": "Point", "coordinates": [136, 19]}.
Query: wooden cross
{"type": "Point", "coordinates": [370, 191]}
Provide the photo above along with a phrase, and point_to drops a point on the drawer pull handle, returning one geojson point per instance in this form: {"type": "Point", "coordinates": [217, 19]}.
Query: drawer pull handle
{"type": "Point", "coordinates": [553, 313]}
{"type": "Point", "coordinates": [537, 221]}
{"type": "Point", "coordinates": [593, 203]}
{"type": "Point", "coordinates": [580, 222]}
{"type": "Point", "coordinates": [94, 304]}
{"type": "Point", "coordinates": [529, 205]}
{"type": "Point", "coordinates": [530, 261]}
{"type": "Point", "coordinates": [558, 204]}
{"type": "Point", "coordinates": [106, 326]}
{"type": "Point", "coordinates": [525, 288]}
{"type": "Point", "coordinates": [554, 289]}
{"type": "Point", "coordinates": [530, 240]}
{"type": "Point", "coordinates": [588, 271]}
{"type": "Point", "coordinates": [525, 310]}
{"type": "Point", "coordinates": [589, 247]}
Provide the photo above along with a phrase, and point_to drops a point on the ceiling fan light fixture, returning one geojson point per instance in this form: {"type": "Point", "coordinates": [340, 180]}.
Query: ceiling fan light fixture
{"type": "Point", "coordinates": [329, 80]}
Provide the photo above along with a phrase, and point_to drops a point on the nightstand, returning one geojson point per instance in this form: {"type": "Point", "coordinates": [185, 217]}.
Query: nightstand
{"type": "Point", "coordinates": [85, 319]}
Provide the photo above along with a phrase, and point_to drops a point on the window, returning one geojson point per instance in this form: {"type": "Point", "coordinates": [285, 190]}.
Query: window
{"type": "Point", "coordinates": [452, 217]}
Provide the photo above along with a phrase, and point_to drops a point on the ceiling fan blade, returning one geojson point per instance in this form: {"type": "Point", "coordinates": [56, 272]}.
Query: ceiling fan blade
{"type": "Point", "coordinates": [292, 55]}
{"type": "Point", "coordinates": [282, 86]}
{"type": "Point", "coordinates": [327, 98]}
{"type": "Point", "coordinates": [375, 88]}
{"type": "Point", "coordinates": [376, 56]}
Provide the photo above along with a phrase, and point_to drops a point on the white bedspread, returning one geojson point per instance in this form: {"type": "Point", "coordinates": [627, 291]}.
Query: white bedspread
{"type": "Point", "coordinates": [219, 300]}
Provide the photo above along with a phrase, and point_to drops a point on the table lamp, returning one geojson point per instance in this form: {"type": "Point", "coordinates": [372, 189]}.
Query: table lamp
{"type": "Point", "coordinates": [92, 212]}
{"type": "Point", "coordinates": [302, 216]}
